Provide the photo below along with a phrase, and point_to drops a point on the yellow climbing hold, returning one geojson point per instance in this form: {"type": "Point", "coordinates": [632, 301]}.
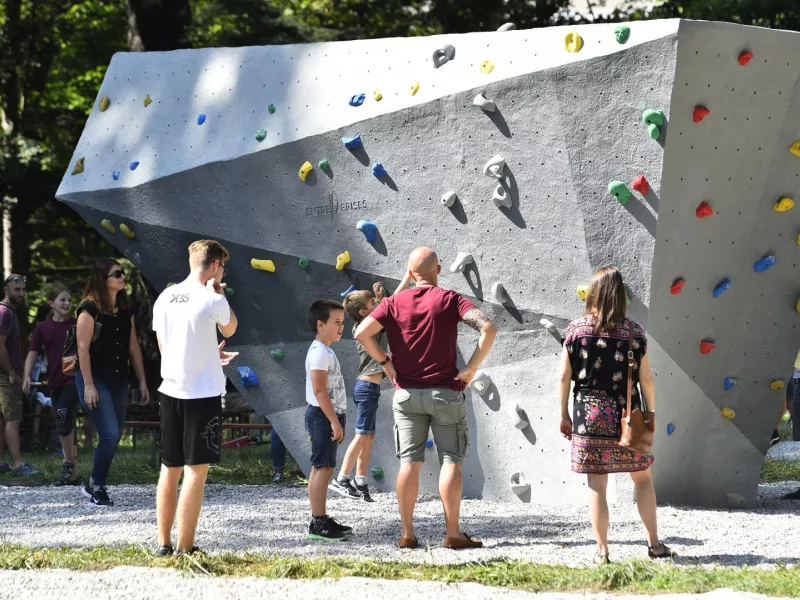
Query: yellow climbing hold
{"type": "Point", "coordinates": [377, 95]}
{"type": "Point", "coordinates": [728, 413]}
{"type": "Point", "coordinates": [797, 306]}
{"type": "Point", "coordinates": [798, 240]}
{"type": "Point", "coordinates": [78, 168]}
{"type": "Point", "coordinates": [305, 170]}
{"type": "Point", "coordinates": [106, 224]}
{"type": "Point", "coordinates": [126, 231]}
{"type": "Point", "coordinates": [414, 88]}
{"type": "Point", "coordinates": [776, 385]}
{"type": "Point", "coordinates": [342, 260]}
{"type": "Point", "coordinates": [783, 205]}
{"type": "Point", "coordinates": [262, 265]}
{"type": "Point", "coordinates": [104, 102]}
{"type": "Point", "coordinates": [147, 101]}
{"type": "Point", "coordinates": [573, 42]}
{"type": "Point", "coordinates": [583, 291]}
{"type": "Point", "coordinates": [487, 66]}
{"type": "Point", "coordinates": [795, 148]}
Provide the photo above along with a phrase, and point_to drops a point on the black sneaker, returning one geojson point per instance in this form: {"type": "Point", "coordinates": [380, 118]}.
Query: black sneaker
{"type": "Point", "coordinates": [98, 497]}
{"type": "Point", "coordinates": [325, 529]}
{"type": "Point", "coordinates": [67, 471]}
{"type": "Point", "coordinates": [343, 528]}
{"type": "Point", "coordinates": [344, 488]}
{"type": "Point", "coordinates": [776, 438]}
{"type": "Point", "coordinates": [165, 551]}
{"type": "Point", "coordinates": [793, 495]}
{"type": "Point", "coordinates": [364, 491]}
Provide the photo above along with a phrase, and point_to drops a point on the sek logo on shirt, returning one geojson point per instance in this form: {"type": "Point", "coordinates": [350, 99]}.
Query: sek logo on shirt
{"type": "Point", "coordinates": [179, 298]}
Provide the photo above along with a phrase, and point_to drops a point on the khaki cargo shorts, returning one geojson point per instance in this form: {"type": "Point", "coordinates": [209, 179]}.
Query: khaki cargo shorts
{"type": "Point", "coordinates": [441, 410]}
{"type": "Point", "coordinates": [10, 398]}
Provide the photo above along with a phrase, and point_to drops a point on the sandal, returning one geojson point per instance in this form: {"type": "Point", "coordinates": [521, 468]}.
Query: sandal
{"type": "Point", "coordinates": [660, 551]}
{"type": "Point", "coordinates": [601, 559]}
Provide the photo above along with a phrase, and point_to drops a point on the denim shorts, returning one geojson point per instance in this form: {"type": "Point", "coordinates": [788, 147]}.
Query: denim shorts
{"type": "Point", "coordinates": [323, 448]}
{"type": "Point", "coordinates": [366, 395]}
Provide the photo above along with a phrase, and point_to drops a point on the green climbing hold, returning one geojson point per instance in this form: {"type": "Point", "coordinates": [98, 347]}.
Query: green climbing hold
{"type": "Point", "coordinates": [622, 33]}
{"type": "Point", "coordinates": [620, 191]}
{"type": "Point", "coordinates": [303, 262]}
{"type": "Point", "coordinates": [271, 109]}
{"type": "Point", "coordinates": [229, 292]}
{"type": "Point", "coordinates": [147, 101]}
{"type": "Point", "coordinates": [324, 164]}
{"type": "Point", "coordinates": [104, 102]}
{"type": "Point", "coordinates": [261, 135]}
{"type": "Point", "coordinates": [377, 472]}
{"type": "Point", "coordinates": [170, 284]}
{"type": "Point", "coordinates": [654, 119]}
{"type": "Point", "coordinates": [78, 168]}
{"type": "Point", "coordinates": [277, 354]}
{"type": "Point", "coordinates": [627, 300]}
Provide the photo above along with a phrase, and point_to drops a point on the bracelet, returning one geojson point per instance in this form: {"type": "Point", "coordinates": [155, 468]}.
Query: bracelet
{"type": "Point", "coordinates": [386, 360]}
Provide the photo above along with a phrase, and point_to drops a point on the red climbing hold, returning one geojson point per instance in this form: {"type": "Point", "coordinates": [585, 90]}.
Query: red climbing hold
{"type": "Point", "coordinates": [677, 287]}
{"type": "Point", "coordinates": [641, 185]}
{"type": "Point", "coordinates": [700, 113]}
{"type": "Point", "coordinates": [704, 211]}
{"type": "Point", "coordinates": [745, 57]}
{"type": "Point", "coordinates": [706, 347]}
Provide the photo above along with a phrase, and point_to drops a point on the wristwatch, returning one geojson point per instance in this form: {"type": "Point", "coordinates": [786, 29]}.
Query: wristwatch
{"type": "Point", "coordinates": [385, 360]}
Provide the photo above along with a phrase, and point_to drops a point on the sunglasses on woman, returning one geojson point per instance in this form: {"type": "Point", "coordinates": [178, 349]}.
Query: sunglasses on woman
{"type": "Point", "coordinates": [118, 274]}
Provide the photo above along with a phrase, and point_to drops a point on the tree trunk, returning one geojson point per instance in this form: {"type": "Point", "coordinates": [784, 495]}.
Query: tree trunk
{"type": "Point", "coordinates": [155, 25]}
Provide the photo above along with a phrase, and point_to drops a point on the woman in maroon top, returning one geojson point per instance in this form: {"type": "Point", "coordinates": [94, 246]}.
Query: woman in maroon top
{"type": "Point", "coordinates": [48, 338]}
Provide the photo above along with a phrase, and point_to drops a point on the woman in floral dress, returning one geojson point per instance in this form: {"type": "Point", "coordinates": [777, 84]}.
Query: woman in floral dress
{"type": "Point", "coordinates": [594, 357]}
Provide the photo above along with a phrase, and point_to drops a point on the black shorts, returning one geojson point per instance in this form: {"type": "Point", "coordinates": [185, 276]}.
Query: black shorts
{"type": "Point", "coordinates": [191, 430]}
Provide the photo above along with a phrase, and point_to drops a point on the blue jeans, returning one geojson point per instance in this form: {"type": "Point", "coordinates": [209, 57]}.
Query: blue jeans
{"type": "Point", "coordinates": [277, 450]}
{"type": "Point", "coordinates": [366, 395]}
{"type": "Point", "coordinates": [108, 418]}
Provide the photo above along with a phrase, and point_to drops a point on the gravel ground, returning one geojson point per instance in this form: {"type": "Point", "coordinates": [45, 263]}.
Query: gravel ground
{"type": "Point", "coordinates": [785, 451]}
{"type": "Point", "coordinates": [126, 583]}
{"type": "Point", "coordinates": [274, 519]}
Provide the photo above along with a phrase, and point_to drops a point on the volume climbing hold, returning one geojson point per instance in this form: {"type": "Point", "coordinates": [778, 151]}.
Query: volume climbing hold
{"type": "Point", "coordinates": [501, 197]}
{"type": "Point", "coordinates": [704, 210]}
{"type": "Point", "coordinates": [728, 413]}
{"type": "Point", "coordinates": [134, 164]}
{"type": "Point", "coordinates": [484, 104]}
{"type": "Point", "coordinates": [352, 288]}
{"type": "Point", "coordinates": [126, 231]}
{"type": "Point", "coordinates": [700, 113]}
{"type": "Point", "coordinates": [654, 119]}
{"type": "Point", "coordinates": [461, 261]}
{"type": "Point", "coordinates": [262, 265]}
{"type": "Point", "coordinates": [443, 55]}
{"type": "Point", "coordinates": [271, 109]}
{"type": "Point", "coordinates": [261, 135]}
{"type": "Point", "coordinates": [573, 42]}
{"type": "Point", "coordinates": [670, 428]}
{"type": "Point", "coordinates": [378, 170]}
{"type": "Point", "coordinates": [722, 287]}
{"type": "Point", "coordinates": [583, 292]}
{"type": "Point", "coordinates": [507, 27]}
{"type": "Point", "coordinates": [622, 33]}
{"type": "Point", "coordinates": [324, 165]}
{"type": "Point", "coordinates": [519, 484]}
{"type": "Point", "coordinates": [517, 419]}
{"type": "Point", "coordinates": [494, 168]}
{"type": "Point", "coordinates": [795, 148]}
{"type": "Point", "coordinates": [342, 260]}
{"type": "Point", "coordinates": [248, 377]}
{"type": "Point", "coordinates": [620, 191]}
{"type": "Point", "coordinates": [449, 198]}
{"type": "Point", "coordinates": [745, 57]}
{"type": "Point", "coordinates": [677, 286]}
{"type": "Point", "coordinates": [377, 96]}
{"type": "Point", "coordinates": [78, 168]}
{"type": "Point", "coordinates": [305, 169]}
{"type": "Point", "coordinates": [357, 100]}
{"type": "Point", "coordinates": [115, 175]}
{"type": "Point", "coordinates": [201, 118]}
{"type": "Point", "coordinates": [303, 262]}
{"type": "Point", "coordinates": [765, 263]}
{"type": "Point", "coordinates": [641, 185]}
{"type": "Point", "coordinates": [147, 101]}
{"type": "Point", "coordinates": [277, 354]}
{"type": "Point", "coordinates": [783, 205]}
{"type": "Point", "coordinates": [481, 383]}
{"type": "Point", "coordinates": [106, 224]}
{"type": "Point", "coordinates": [104, 102]}
{"type": "Point", "coordinates": [499, 292]}
{"type": "Point", "coordinates": [414, 88]}
{"type": "Point", "coordinates": [377, 472]}
{"type": "Point", "coordinates": [486, 67]}
{"type": "Point", "coordinates": [429, 443]}
{"type": "Point", "coordinates": [229, 291]}
{"type": "Point", "coordinates": [369, 229]}
{"type": "Point", "coordinates": [729, 383]}
{"type": "Point", "coordinates": [706, 346]}
{"type": "Point", "coordinates": [352, 142]}
{"type": "Point", "coordinates": [776, 385]}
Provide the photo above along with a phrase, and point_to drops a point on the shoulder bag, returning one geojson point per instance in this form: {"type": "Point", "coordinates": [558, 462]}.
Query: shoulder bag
{"type": "Point", "coordinates": [638, 425]}
{"type": "Point", "coordinates": [69, 358]}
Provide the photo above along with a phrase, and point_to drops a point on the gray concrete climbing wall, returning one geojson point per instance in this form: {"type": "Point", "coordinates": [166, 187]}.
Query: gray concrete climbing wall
{"type": "Point", "coordinates": [567, 124]}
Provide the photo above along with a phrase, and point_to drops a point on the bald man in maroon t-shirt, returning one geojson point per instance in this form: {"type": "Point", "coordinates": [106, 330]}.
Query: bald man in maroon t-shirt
{"type": "Point", "coordinates": [422, 327]}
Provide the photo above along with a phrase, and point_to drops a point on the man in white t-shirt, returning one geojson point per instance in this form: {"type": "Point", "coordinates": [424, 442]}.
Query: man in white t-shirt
{"type": "Point", "coordinates": [186, 318]}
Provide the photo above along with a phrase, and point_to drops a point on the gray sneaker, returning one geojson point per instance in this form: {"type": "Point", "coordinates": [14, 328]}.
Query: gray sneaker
{"type": "Point", "coordinates": [25, 470]}
{"type": "Point", "coordinates": [5, 467]}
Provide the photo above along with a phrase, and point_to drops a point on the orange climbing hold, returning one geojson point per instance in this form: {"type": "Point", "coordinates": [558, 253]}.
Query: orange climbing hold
{"type": "Point", "coordinates": [700, 113]}
{"type": "Point", "coordinates": [677, 287]}
{"type": "Point", "coordinates": [641, 185]}
{"type": "Point", "coordinates": [704, 210]}
{"type": "Point", "coordinates": [745, 57]}
{"type": "Point", "coordinates": [706, 346]}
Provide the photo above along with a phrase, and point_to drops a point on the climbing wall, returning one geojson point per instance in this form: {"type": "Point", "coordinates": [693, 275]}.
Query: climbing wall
{"type": "Point", "coordinates": [255, 147]}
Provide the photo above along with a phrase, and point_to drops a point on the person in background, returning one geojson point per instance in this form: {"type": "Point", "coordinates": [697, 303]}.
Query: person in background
{"type": "Point", "coordinates": [277, 451]}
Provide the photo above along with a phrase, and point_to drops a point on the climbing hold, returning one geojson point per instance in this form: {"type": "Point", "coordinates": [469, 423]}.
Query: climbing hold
{"type": "Point", "coordinates": [704, 210]}
{"type": "Point", "coordinates": [352, 142]}
{"type": "Point", "coordinates": [622, 33]}
{"type": "Point", "coordinates": [764, 264]}
{"type": "Point", "coordinates": [201, 118]}
{"type": "Point", "coordinates": [550, 326]}
{"type": "Point", "coordinates": [429, 443]}
{"type": "Point", "coordinates": [797, 306]}
{"type": "Point", "coordinates": [481, 383]}
{"type": "Point", "coordinates": [449, 198]}
{"type": "Point", "coordinates": [734, 500]}
{"type": "Point", "coordinates": [706, 346]}
{"type": "Point", "coordinates": [442, 55]}
{"type": "Point", "coordinates": [670, 428]}
{"type": "Point", "coordinates": [461, 261]}
{"type": "Point", "coordinates": [370, 230]}
{"type": "Point", "coordinates": [377, 96]}
{"type": "Point", "coordinates": [126, 231]}
{"type": "Point", "coordinates": [583, 291]}
{"type": "Point", "coordinates": [499, 292]}
{"type": "Point", "coordinates": [78, 168]}
{"type": "Point", "coordinates": [745, 57]}
{"type": "Point", "coordinates": [627, 300]}
{"type": "Point", "coordinates": [377, 472]}
{"type": "Point", "coordinates": [304, 171]}
{"type": "Point", "coordinates": [484, 104]}
{"type": "Point", "coordinates": [324, 165]}
{"type": "Point", "coordinates": [378, 170]}
{"type": "Point", "coordinates": [277, 354]}
{"type": "Point", "coordinates": [573, 42]}
{"type": "Point", "coordinates": [147, 101]}
{"type": "Point", "coordinates": [783, 205]}
{"type": "Point", "coordinates": [654, 119]}
{"type": "Point", "coordinates": [519, 484]}
{"type": "Point", "coordinates": [134, 164]}
{"type": "Point", "coordinates": [728, 413]}
{"type": "Point", "coordinates": [352, 288]}
{"type": "Point", "coordinates": [620, 191]}
{"type": "Point", "coordinates": [641, 185]}
{"type": "Point", "coordinates": [271, 109]}
{"type": "Point", "coordinates": [357, 99]}
{"type": "Point", "coordinates": [519, 421]}
{"type": "Point", "coordinates": [229, 291]}
{"type": "Point", "coordinates": [303, 262]}
{"type": "Point", "coordinates": [171, 283]}
{"type": "Point", "coordinates": [507, 27]}
{"type": "Point", "coordinates": [414, 88]}
{"type": "Point", "coordinates": [722, 287]}
{"type": "Point", "coordinates": [262, 265]}
{"type": "Point", "coordinates": [776, 385]}
{"type": "Point", "coordinates": [494, 168]}
{"type": "Point", "coordinates": [795, 148]}
{"type": "Point", "coordinates": [261, 135]}
{"type": "Point", "coordinates": [677, 286]}
{"type": "Point", "coordinates": [106, 224]}
{"type": "Point", "coordinates": [700, 113]}
{"type": "Point", "coordinates": [248, 377]}
{"type": "Point", "coordinates": [486, 67]}
{"type": "Point", "coordinates": [342, 260]}
{"type": "Point", "coordinates": [104, 102]}
{"type": "Point", "coordinates": [115, 175]}
{"type": "Point", "coordinates": [501, 197]}
{"type": "Point", "coordinates": [729, 383]}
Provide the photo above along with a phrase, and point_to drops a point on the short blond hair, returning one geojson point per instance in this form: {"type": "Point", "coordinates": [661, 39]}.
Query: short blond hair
{"type": "Point", "coordinates": [204, 252]}
{"type": "Point", "coordinates": [354, 302]}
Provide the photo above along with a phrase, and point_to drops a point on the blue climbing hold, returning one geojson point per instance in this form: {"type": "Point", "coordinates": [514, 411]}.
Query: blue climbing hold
{"type": "Point", "coordinates": [352, 288]}
{"type": "Point", "coordinates": [670, 428]}
{"type": "Point", "coordinates": [763, 264]}
{"type": "Point", "coordinates": [201, 118]}
{"type": "Point", "coordinates": [370, 230]}
{"type": "Point", "coordinates": [429, 443]}
{"type": "Point", "coordinates": [134, 164]}
{"type": "Point", "coordinates": [357, 100]}
{"type": "Point", "coordinates": [723, 286]}
{"type": "Point", "coordinates": [352, 142]}
{"type": "Point", "coordinates": [378, 170]}
{"type": "Point", "coordinates": [729, 383]}
{"type": "Point", "coordinates": [116, 175]}
{"type": "Point", "coordinates": [248, 377]}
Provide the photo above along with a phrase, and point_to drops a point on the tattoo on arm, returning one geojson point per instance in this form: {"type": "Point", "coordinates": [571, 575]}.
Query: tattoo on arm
{"type": "Point", "coordinates": [475, 319]}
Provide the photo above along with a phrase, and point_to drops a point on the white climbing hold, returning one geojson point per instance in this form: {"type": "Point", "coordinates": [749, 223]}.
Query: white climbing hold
{"type": "Point", "coordinates": [481, 102]}
{"type": "Point", "coordinates": [494, 168]}
{"type": "Point", "coordinates": [461, 261]}
{"type": "Point", "coordinates": [549, 325]}
{"type": "Point", "coordinates": [443, 55]}
{"type": "Point", "coordinates": [507, 27]}
{"type": "Point", "coordinates": [499, 293]}
{"type": "Point", "coordinates": [516, 417]}
{"type": "Point", "coordinates": [501, 197]}
{"type": "Point", "coordinates": [481, 382]}
{"type": "Point", "coordinates": [519, 483]}
{"type": "Point", "coordinates": [449, 198]}
{"type": "Point", "coordinates": [735, 500]}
